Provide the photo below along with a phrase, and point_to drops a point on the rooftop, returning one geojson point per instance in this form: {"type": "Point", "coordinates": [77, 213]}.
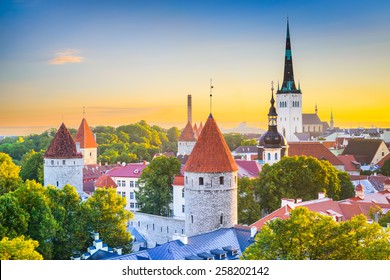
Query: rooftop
{"type": "Point", "coordinates": [132, 170]}
{"type": "Point", "coordinates": [211, 153]}
{"type": "Point", "coordinates": [84, 136]}
{"type": "Point", "coordinates": [188, 134]}
{"type": "Point", "coordinates": [313, 149]}
{"type": "Point", "coordinates": [62, 146]}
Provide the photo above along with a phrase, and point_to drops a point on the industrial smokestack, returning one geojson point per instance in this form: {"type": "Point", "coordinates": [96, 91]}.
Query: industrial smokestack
{"type": "Point", "coordinates": [189, 108]}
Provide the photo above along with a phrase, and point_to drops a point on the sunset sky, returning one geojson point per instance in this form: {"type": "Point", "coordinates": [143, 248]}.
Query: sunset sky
{"type": "Point", "coordinates": [131, 60]}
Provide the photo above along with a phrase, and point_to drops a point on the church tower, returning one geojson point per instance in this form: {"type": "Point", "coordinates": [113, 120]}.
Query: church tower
{"type": "Point", "coordinates": [210, 183]}
{"type": "Point", "coordinates": [272, 145]}
{"type": "Point", "coordinates": [85, 143]}
{"type": "Point", "coordinates": [331, 123]}
{"type": "Point", "coordinates": [63, 164]}
{"type": "Point", "coordinates": [289, 98]}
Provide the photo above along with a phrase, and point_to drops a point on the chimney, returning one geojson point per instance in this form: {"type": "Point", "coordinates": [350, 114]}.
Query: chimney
{"type": "Point", "coordinates": [184, 239]}
{"type": "Point", "coordinates": [359, 191]}
{"type": "Point", "coordinates": [96, 236]}
{"type": "Point", "coordinates": [189, 108]}
{"type": "Point", "coordinates": [176, 236]}
{"type": "Point", "coordinates": [321, 195]}
{"type": "Point", "coordinates": [299, 200]}
{"type": "Point", "coordinates": [118, 250]}
{"type": "Point", "coordinates": [287, 201]}
{"type": "Point", "coordinates": [253, 232]}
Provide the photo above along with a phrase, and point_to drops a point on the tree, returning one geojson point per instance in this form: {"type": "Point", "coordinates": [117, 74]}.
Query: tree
{"type": "Point", "coordinates": [9, 174]}
{"type": "Point", "coordinates": [385, 169]}
{"type": "Point", "coordinates": [73, 232]}
{"type": "Point", "coordinates": [41, 225]}
{"type": "Point", "coordinates": [347, 190]}
{"type": "Point", "coordinates": [32, 166]}
{"type": "Point", "coordinates": [296, 177]}
{"type": "Point", "coordinates": [173, 134]}
{"type": "Point", "coordinates": [248, 208]}
{"type": "Point", "coordinates": [385, 219]}
{"type": "Point", "coordinates": [107, 215]}
{"type": "Point", "coordinates": [155, 191]}
{"type": "Point", "coordinates": [310, 235]}
{"type": "Point", "coordinates": [233, 140]}
{"type": "Point", "coordinates": [13, 218]}
{"type": "Point", "coordinates": [19, 248]}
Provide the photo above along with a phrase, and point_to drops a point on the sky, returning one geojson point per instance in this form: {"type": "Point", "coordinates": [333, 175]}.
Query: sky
{"type": "Point", "coordinates": [126, 61]}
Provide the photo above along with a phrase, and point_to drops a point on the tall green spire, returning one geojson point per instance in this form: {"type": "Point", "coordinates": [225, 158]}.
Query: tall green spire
{"type": "Point", "coordinates": [288, 85]}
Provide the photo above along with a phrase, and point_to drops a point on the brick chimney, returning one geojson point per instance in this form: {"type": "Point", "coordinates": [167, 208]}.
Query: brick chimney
{"type": "Point", "coordinates": [189, 108]}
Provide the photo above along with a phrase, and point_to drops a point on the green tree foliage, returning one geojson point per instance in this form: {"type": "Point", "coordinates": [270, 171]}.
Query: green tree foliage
{"type": "Point", "coordinates": [9, 174]}
{"type": "Point", "coordinates": [310, 235]}
{"type": "Point", "coordinates": [13, 218]}
{"type": "Point", "coordinates": [249, 142]}
{"type": "Point", "coordinates": [32, 166]}
{"type": "Point", "coordinates": [385, 170]}
{"type": "Point", "coordinates": [42, 225]}
{"type": "Point", "coordinates": [71, 216]}
{"type": "Point", "coordinates": [233, 140]}
{"type": "Point", "coordinates": [248, 208]}
{"type": "Point", "coordinates": [347, 190]}
{"type": "Point", "coordinates": [107, 215]}
{"type": "Point", "coordinates": [19, 248]}
{"type": "Point", "coordinates": [155, 192]}
{"type": "Point", "coordinates": [385, 219]}
{"type": "Point", "coordinates": [298, 177]}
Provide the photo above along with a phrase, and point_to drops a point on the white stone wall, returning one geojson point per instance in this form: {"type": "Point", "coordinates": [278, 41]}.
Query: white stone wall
{"type": "Point", "coordinates": [157, 229]}
{"type": "Point", "coordinates": [289, 117]}
{"type": "Point", "coordinates": [271, 155]}
{"type": "Point", "coordinates": [206, 203]}
{"type": "Point", "coordinates": [90, 155]}
{"type": "Point", "coordinates": [126, 186]}
{"type": "Point", "coordinates": [178, 202]}
{"type": "Point", "coordinates": [59, 172]}
{"type": "Point", "coordinates": [381, 153]}
{"type": "Point", "coordinates": [185, 147]}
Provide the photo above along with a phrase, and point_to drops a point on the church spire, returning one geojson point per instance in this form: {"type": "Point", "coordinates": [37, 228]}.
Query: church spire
{"type": "Point", "coordinates": [288, 85]}
{"type": "Point", "coordinates": [331, 119]}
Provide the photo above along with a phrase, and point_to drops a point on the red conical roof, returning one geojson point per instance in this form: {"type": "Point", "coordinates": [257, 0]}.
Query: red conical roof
{"type": "Point", "coordinates": [63, 145]}
{"type": "Point", "coordinates": [105, 181]}
{"type": "Point", "coordinates": [188, 134]}
{"type": "Point", "coordinates": [84, 136]}
{"type": "Point", "coordinates": [211, 153]}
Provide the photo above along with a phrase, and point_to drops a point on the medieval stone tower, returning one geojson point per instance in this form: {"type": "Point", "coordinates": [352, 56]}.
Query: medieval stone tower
{"type": "Point", "coordinates": [272, 145]}
{"type": "Point", "coordinates": [210, 183]}
{"type": "Point", "coordinates": [85, 143]}
{"type": "Point", "coordinates": [63, 164]}
{"type": "Point", "coordinates": [289, 98]}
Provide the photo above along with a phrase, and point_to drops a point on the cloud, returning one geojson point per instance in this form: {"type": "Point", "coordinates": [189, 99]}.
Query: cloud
{"type": "Point", "coordinates": [67, 56]}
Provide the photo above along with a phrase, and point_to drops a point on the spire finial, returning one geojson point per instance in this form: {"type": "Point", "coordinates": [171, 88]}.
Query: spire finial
{"type": "Point", "coordinates": [316, 109]}
{"type": "Point", "coordinates": [211, 95]}
{"type": "Point", "coordinates": [84, 111]}
{"type": "Point", "coordinates": [272, 93]}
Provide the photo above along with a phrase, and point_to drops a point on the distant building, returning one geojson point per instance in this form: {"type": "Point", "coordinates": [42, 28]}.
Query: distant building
{"type": "Point", "coordinates": [63, 164]}
{"type": "Point", "coordinates": [367, 151]}
{"type": "Point", "coordinates": [245, 153]}
{"type": "Point", "coordinates": [351, 165]}
{"type": "Point", "coordinates": [248, 168]}
{"type": "Point", "coordinates": [126, 179]}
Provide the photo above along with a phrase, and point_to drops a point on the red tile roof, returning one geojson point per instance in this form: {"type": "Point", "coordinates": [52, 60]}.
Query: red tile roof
{"type": "Point", "coordinates": [84, 136]}
{"type": "Point", "coordinates": [188, 134]}
{"type": "Point", "coordinates": [178, 181]}
{"type": "Point", "coordinates": [313, 149]}
{"type": "Point", "coordinates": [105, 181]}
{"type": "Point", "coordinates": [248, 168]}
{"type": "Point", "coordinates": [281, 213]}
{"type": "Point", "coordinates": [132, 170]}
{"type": "Point", "coordinates": [349, 162]}
{"type": "Point", "coordinates": [211, 153]}
{"type": "Point", "coordinates": [364, 150]}
{"type": "Point", "coordinates": [62, 145]}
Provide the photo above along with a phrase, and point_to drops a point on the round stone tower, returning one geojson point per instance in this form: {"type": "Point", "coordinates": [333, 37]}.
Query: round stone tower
{"type": "Point", "coordinates": [63, 164]}
{"type": "Point", "coordinates": [210, 183]}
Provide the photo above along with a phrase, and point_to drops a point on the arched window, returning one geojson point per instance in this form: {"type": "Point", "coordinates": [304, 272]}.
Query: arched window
{"type": "Point", "coordinates": [269, 156]}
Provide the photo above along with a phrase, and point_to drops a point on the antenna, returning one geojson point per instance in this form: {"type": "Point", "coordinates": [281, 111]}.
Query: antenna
{"type": "Point", "coordinates": [211, 94]}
